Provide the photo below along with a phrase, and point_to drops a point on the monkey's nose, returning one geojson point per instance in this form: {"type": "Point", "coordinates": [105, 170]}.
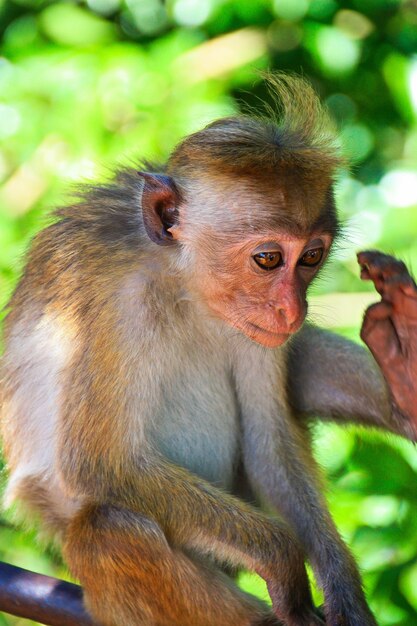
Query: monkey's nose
{"type": "Point", "coordinates": [290, 317]}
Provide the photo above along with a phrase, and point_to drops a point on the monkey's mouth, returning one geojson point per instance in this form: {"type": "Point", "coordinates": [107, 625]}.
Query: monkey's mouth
{"type": "Point", "coordinates": [266, 337]}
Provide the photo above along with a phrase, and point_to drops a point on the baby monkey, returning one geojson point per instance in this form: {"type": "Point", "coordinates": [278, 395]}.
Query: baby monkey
{"type": "Point", "coordinates": [158, 380]}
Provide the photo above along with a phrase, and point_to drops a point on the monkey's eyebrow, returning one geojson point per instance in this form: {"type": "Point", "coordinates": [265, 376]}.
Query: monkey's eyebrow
{"type": "Point", "coordinates": [268, 246]}
{"type": "Point", "coordinates": [314, 243]}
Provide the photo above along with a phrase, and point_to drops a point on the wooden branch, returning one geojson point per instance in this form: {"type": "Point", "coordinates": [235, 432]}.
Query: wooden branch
{"type": "Point", "coordinates": [41, 598]}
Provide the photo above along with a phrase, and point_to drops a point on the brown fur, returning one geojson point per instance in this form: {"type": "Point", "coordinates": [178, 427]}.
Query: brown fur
{"type": "Point", "coordinates": [138, 394]}
{"type": "Point", "coordinates": [289, 154]}
{"type": "Point", "coordinates": [298, 137]}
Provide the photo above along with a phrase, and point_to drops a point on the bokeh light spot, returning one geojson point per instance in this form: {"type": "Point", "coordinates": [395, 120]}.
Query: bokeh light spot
{"type": "Point", "coordinates": [284, 36]}
{"type": "Point", "coordinates": [191, 12]}
{"type": "Point", "coordinates": [104, 7]}
{"type": "Point", "coordinates": [9, 121]}
{"type": "Point", "coordinates": [358, 141]}
{"type": "Point", "coordinates": [412, 84]}
{"type": "Point", "coordinates": [408, 584]}
{"type": "Point", "coordinates": [364, 228]}
{"type": "Point", "coordinates": [149, 16]}
{"type": "Point", "coordinates": [337, 53]}
{"type": "Point", "coordinates": [400, 188]}
{"type": "Point", "coordinates": [290, 10]}
{"type": "Point", "coordinates": [71, 25]}
{"type": "Point", "coordinates": [21, 33]}
{"type": "Point", "coordinates": [379, 510]}
{"type": "Point", "coordinates": [354, 24]}
{"type": "Point", "coordinates": [341, 107]}
{"type": "Point", "coordinates": [322, 9]}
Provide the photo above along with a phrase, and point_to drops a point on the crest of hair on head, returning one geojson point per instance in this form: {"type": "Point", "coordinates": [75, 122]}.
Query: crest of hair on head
{"type": "Point", "coordinates": [296, 132]}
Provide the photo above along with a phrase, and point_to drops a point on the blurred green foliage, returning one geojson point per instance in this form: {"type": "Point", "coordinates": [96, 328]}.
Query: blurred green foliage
{"type": "Point", "coordinates": [86, 85]}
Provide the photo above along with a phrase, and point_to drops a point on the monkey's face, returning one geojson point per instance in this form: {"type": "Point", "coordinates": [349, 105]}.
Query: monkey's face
{"type": "Point", "coordinates": [238, 245]}
{"type": "Point", "coordinates": [259, 286]}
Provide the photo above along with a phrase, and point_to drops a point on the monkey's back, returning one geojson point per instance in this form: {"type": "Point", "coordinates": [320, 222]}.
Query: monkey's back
{"type": "Point", "coordinates": [95, 351]}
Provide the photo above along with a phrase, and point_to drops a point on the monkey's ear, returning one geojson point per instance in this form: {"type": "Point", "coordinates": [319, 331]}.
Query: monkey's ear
{"type": "Point", "coordinates": [160, 200]}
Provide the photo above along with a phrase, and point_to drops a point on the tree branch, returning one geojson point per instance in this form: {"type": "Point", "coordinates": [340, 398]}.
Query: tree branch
{"type": "Point", "coordinates": [41, 598]}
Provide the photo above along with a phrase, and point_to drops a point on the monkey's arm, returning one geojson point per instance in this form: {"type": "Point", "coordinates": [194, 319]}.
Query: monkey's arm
{"type": "Point", "coordinates": [331, 377]}
{"type": "Point", "coordinates": [282, 472]}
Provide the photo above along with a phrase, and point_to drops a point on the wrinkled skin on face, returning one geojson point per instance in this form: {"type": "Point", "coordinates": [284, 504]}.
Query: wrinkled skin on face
{"type": "Point", "coordinates": [267, 304]}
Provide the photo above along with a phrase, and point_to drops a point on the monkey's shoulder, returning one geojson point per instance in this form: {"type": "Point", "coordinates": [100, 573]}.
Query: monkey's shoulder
{"type": "Point", "coordinates": [103, 216]}
{"type": "Point", "coordinates": [88, 248]}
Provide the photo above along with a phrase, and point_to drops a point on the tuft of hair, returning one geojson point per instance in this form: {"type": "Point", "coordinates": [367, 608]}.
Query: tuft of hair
{"type": "Point", "coordinates": [295, 133]}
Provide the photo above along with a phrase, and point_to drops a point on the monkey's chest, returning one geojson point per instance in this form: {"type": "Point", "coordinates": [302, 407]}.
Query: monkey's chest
{"type": "Point", "coordinates": [197, 423]}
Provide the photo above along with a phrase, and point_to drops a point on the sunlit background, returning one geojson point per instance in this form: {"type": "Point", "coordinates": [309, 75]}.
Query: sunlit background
{"type": "Point", "coordinates": [87, 85]}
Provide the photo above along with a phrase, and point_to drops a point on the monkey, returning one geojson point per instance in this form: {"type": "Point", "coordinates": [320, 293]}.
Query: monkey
{"type": "Point", "coordinates": [159, 378]}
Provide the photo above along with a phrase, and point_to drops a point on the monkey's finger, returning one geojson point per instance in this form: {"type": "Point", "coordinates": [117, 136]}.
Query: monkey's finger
{"type": "Point", "coordinates": [377, 318]}
{"type": "Point", "coordinates": [403, 281]}
{"type": "Point", "coordinates": [379, 333]}
{"type": "Point", "coordinates": [378, 330]}
{"type": "Point", "coordinates": [367, 273]}
{"type": "Point", "coordinates": [410, 289]}
{"type": "Point", "coordinates": [379, 311]}
{"type": "Point", "coordinates": [373, 260]}
{"type": "Point", "coordinates": [380, 268]}
{"type": "Point", "coordinates": [397, 290]}
{"type": "Point", "coordinates": [369, 261]}
{"type": "Point", "coordinates": [402, 292]}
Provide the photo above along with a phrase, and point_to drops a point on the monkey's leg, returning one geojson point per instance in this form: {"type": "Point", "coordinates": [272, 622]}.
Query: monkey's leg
{"type": "Point", "coordinates": [133, 577]}
{"type": "Point", "coordinates": [197, 517]}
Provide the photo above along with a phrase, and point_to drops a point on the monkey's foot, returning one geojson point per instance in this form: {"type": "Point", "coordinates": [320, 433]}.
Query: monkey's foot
{"type": "Point", "coordinates": [390, 330]}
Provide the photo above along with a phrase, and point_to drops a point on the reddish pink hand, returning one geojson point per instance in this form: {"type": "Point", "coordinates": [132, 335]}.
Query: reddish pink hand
{"type": "Point", "coordinates": [390, 328]}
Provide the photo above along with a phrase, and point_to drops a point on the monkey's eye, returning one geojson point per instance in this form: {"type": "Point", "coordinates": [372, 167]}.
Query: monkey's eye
{"type": "Point", "coordinates": [268, 260]}
{"type": "Point", "coordinates": [311, 257]}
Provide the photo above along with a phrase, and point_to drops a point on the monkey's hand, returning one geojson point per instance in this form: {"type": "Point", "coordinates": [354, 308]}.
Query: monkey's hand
{"type": "Point", "coordinates": [390, 330]}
